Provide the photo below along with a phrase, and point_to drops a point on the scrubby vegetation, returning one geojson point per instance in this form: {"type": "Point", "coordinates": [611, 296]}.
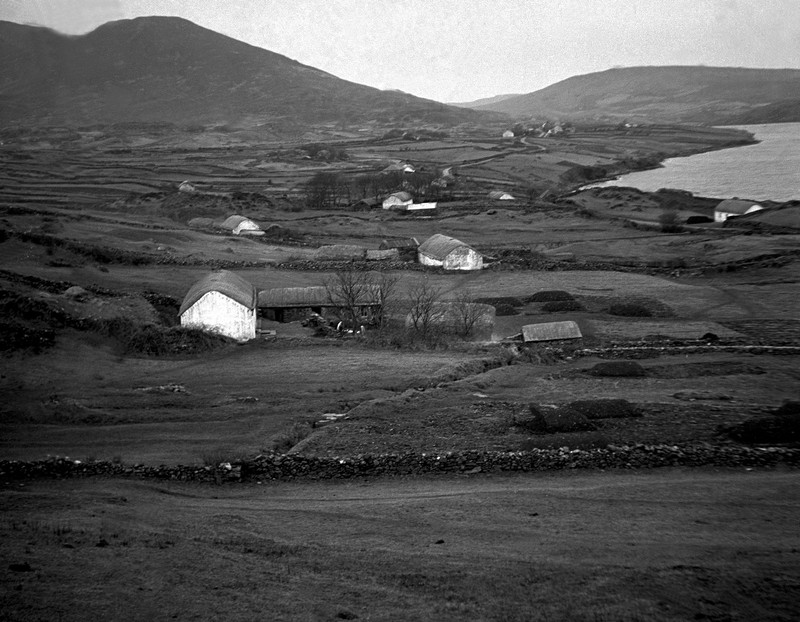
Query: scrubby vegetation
{"type": "Point", "coordinates": [558, 306]}
{"type": "Point", "coordinates": [629, 309]}
{"type": "Point", "coordinates": [625, 369]}
{"type": "Point", "coordinates": [554, 295]}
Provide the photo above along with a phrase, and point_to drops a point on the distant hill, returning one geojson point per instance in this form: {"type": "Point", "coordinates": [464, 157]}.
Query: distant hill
{"type": "Point", "coordinates": [167, 69]}
{"type": "Point", "coordinates": [779, 112]}
{"type": "Point", "coordinates": [486, 102]}
{"type": "Point", "coordinates": [670, 94]}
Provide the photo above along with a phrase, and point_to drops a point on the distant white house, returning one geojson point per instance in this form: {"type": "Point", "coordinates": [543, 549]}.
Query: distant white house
{"type": "Point", "coordinates": [398, 200]}
{"type": "Point", "coordinates": [221, 302]}
{"type": "Point", "coordinates": [187, 187]}
{"type": "Point", "coordinates": [401, 167]}
{"type": "Point", "coordinates": [448, 253]}
{"type": "Point", "coordinates": [499, 195]}
{"type": "Point", "coordinates": [508, 134]}
{"type": "Point", "coordinates": [734, 207]}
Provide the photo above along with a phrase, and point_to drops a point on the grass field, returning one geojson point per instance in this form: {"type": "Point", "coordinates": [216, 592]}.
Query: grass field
{"type": "Point", "coordinates": [664, 546]}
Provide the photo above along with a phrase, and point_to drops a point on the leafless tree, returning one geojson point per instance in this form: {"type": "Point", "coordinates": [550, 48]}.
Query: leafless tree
{"type": "Point", "coordinates": [385, 285]}
{"type": "Point", "coordinates": [426, 309]}
{"type": "Point", "coordinates": [347, 290]}
{"type": "Point", "coordinates": [466, 314]}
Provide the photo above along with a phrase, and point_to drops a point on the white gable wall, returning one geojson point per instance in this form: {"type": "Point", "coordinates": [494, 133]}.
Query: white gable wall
{"type": "Point", "coordinates": [218, 313]}
{"type": "Point", "coordinates": [459, 259]}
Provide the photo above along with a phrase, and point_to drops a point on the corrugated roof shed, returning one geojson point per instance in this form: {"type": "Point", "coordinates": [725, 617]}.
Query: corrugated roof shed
{"type": "Point", "coordinates": [551, 331]}
{"type": "Point", "coordinates": [231, 222]}
{"type": "Point", "coordinates": [224, 282]}
{"type": "Point", "coordinates": [735, 206]}
{"type": "Point", "coordinates": [439, 246]}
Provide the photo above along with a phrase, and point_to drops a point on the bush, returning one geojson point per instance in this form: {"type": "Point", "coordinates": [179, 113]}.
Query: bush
{"type": "Point", "coordinates": [550, 296]}
{"type": "Point", "coordinates": [670, 221]}
{"type": "Point", "coordinates": [551, 421]}
{"type": "Point", "coordinates": [628, 369]}
{"type": "Point", "coordinates": [782, 429]}
{"type": "Point", "coordinates": [629, 309]}
{"type": "Point", "coordinates": [604, 409]}
{"type": "Point", "coordinates": [296, 433]}
{"type": "Point", "coordinates": [562, 305]}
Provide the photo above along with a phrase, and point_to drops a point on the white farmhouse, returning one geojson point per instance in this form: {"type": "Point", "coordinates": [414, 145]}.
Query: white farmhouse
{"type": "Point", "coordinates": [221, 302]}
{"type": "Point", "coordinates": [449, 253]}
{"type": "Point", "coordinates": [734, 207]}
{"type": "Point", "coordinates": [508, 134]}
{"type": "Point", "coordinates": [240, 225]}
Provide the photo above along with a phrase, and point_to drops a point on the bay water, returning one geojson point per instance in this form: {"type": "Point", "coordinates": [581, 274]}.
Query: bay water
{"type": "Point", "coordinates": [769, 170]}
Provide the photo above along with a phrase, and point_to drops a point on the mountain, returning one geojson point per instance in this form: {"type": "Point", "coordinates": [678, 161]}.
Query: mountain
{"type": "Point", "coordinates": [670, 94]}
{"type": "Point", "coordinates": [167, 69]}
{"type": "Point", "coordinates": [486, 102]}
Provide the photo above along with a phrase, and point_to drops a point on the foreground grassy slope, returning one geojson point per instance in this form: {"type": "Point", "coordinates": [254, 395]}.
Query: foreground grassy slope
{"type": "Point", "coordinates": [667, 545]}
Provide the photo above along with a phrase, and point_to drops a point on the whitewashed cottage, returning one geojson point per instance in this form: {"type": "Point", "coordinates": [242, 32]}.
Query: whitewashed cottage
{"type": "Point", "coordinates": [221, 302]}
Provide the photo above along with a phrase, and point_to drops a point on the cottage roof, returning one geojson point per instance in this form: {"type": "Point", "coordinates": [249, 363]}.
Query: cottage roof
{"type": "Point", "coordinates": [735, 206]}
{"type": "Point", "coordinates": [402, 196]}
{"type": "Point", "coordinates": [231, 285]}
{"type": "Point", "coordinates": [499, 195]}
{"type": "Point", "coordinates": [399, 243]}
{"type": "Point", "coordinates": [439, 246]}
{"type": "Point", "coordinates": [317, 296]}
{"type": "Point", "coordinates": [551, 331]}
{"type": "Point", "coordinates": [231, 222]}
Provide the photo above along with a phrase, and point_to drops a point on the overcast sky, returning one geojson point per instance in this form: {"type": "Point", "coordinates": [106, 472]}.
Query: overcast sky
{"type": "Point", "coordinates": [461, 50]}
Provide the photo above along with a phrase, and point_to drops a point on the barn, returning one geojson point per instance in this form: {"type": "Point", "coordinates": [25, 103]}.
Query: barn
{"type": "Point", "coordinates": [291, 304]}
{"type": "Point", "coordinates": [222, 302]}
{"type": "Point", "coordinates": [449, 253]}
{"type": "Point", "coordinates": [551, 331]}
{"type": "Point", "coordinates": [398, 200]}
{"type": "Point", "coordinates": [240, 225]}
{"type": "Point", "coordinates": [734, 207]}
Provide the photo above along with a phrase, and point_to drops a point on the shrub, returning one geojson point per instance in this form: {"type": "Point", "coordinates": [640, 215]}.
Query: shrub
{"type": "Point", "coordinates": [670, 221]}
{"type": "Point", "coordinates": [551, 421]}
{"type": "Point", "coordinates": [629, 309]}
{"type": "Point", "coordinates": [604, 408]}
{"type": "Point", "coordinates": [298, 431]}
{"type": "Point", "coordinates": [629, 369]}
{"type": "Point", "coordinates": [783, 429]}
{"type": "Point", "coordinates": [550, 296]}
{"type": "Point", "coordinates": [558, 306]}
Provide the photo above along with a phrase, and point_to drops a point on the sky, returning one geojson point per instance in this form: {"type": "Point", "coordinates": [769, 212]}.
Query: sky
{"type": "Point", "coordinates": [462, 50]}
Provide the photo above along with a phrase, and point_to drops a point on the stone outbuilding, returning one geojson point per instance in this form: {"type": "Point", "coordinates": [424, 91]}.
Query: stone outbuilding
{"type": "Point", "coordinates": [734, 207]}
{"type": "Point", "coordinates": [241, 225]}
{"type": "Point", "coordinates": [448, 253]}
{"type": "Point", "coordinates": [291, 304]}
{"type": "Point", "coordinates": [221, 302]}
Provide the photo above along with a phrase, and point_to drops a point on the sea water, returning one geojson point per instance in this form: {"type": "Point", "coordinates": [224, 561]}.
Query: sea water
{"type": "Point", "coordinates": [769, 170]}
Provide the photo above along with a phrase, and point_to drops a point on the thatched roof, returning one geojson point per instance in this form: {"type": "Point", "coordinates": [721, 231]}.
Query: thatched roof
{"type": "Point", "coordinates": [401, 196]}
{"type": "Point", "coordinates": [551, 331]}
{"type": "Point", "coordinates": [300, 297]}
{"type": "Point", "coordinates": [735, 206]}
{"type": "Point", "coordinates": [439, 246]}
{"type": "Point", "coordinates": [231, 285]}
{"type": "Point", "coordinates": [399, 243]}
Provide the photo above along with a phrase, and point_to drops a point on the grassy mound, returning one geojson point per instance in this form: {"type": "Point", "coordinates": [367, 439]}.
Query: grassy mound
{"type": "Point", "coordinates": [625, 369]}
{"type": "Point", "coordinates": [776, 429]}
{"type": "Point", "coordinates": [604, 408]}
{"type": "Point", "coordinates": [629, 309]}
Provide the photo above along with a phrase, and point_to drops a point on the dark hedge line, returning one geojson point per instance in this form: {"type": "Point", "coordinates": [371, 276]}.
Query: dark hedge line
{"type": "Point", "coordinates": [289, 466]}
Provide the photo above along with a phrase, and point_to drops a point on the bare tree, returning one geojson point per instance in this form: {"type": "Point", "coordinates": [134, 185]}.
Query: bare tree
{"type": "Point", "coordinates": [427, 311]}
{"type": "Point", "coordinates": [466, 314]}
{"type": "Point", "coordinates": [348, 290]}
{"type": "Point", "coordinates": [385, 285]}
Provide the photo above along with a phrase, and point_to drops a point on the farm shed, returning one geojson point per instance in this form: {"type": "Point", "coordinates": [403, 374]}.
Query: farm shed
{"type": "Point", "coordinates": [420, 206]}
{"type": "Point", "coordinates": [290, 304]}
{"type": "Point", "coordinates": [551, 331]}
{"type": "Point", "coordinates": [240, 225]}
{"type": "Point", "coordinates": [399, 167]}
{"type": "Point", "coordinates": [406, 247]}
{"type": "Point", "coordinates": [187, 187]}
{"type": "Point", "coordinates": [508, 134]}
{"type": "Point", "coordinates": [455, 317]}
{"type": "Point", "coordinates": [734, 207]}
{"type": "Point", "coordinates": [449, 253]}
{"type": "Point", "coordinates": [398, 200]}
{"type": "Point", "coordinates": [499, 195]}
{"type": "Point", "coordinates": [222, 302]}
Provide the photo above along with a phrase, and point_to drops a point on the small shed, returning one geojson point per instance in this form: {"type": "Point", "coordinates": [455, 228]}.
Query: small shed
{"type": "Point", "coordinates": [406, 247]}
{"type": "Point", "coordinates": [398, 200]}
{"type": "Point", "coordinates": [551, 331]}
{"type": "Point", "coordinates": [508, 134]}
{"type": "Point", "coordinates": [399, 167]}
{"type": "Point", "coordinates": [241, 225]}
{"type": "Point", "coordinates": [221, 302]}
{"type": "Point", "coordinates": [734, 207]}
{"type": "Point", "coordinates": [499, 195]}
{"type": "Point", "coordinates": [187, 187]}
{"type": "Point", "coordinates": [449, 253]}
{"type": "Point", "coordinates": [290, 304]}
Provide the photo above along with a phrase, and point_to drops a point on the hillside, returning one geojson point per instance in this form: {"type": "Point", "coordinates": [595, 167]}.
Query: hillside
{"type": "Point", "coordinates": [671, 94]}
{"type": "Point", "coordinates": [167, 69]}
{"type": "Point", "coordinates": [486, 102]}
